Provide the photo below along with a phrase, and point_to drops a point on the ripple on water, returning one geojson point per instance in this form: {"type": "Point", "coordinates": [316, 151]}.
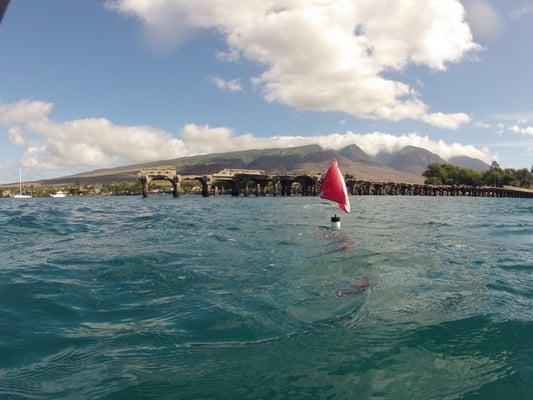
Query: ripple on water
{"type": "Point", "coordinates": [239, 298]}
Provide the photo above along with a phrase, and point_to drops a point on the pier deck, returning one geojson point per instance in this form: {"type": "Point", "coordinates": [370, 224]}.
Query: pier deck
{"type": "Point", "coordinates": [257, 182]}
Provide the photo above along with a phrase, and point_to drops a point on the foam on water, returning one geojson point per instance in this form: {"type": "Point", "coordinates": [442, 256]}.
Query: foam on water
{"type": "Point", "coordinates": [239, 298]}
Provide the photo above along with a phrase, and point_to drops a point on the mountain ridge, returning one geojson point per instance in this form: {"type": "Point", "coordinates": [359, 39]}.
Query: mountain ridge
{"type": "Point", "coordinates": [469, 162]}
{"type": "Point", "coordinates": [405, 165]}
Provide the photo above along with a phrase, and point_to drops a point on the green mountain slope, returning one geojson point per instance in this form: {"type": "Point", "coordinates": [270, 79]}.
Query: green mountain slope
{"type": "Point", "coordinates": [311, 159]}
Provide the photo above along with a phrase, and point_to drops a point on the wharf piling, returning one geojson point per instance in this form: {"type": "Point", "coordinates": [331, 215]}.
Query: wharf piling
{"type": "Point", "coordinates": [246, 182]}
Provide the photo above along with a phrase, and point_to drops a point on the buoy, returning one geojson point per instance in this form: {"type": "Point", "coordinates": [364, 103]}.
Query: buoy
{"type": "Point", "coordinates": [333, 188]}
{"type": "Point", "coordinates": [335, 222]}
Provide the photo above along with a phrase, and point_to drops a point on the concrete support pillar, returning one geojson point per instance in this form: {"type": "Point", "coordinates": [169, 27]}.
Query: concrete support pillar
{"type": "Point", "coordinates": [145, 182]}
{"type": "Point", "coordinates": [175, 187]}
{"type": "Point", "coordinates": [205, 189]}
{"type": "Point", "coordinates": [206, 185]}
{"type": "Point", "coordinates": [235, 189]}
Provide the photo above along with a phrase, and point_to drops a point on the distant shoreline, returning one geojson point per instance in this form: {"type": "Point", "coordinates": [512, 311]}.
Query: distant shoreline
{"type": "Point", "coordinates": [359, 188]}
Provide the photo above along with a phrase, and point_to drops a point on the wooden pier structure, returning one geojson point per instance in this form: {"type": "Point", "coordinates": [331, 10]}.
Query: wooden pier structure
{"type": "Point", "coordinates": [257, 182]}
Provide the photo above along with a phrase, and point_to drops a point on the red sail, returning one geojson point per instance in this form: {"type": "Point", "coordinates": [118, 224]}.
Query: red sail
{"type": "Point", "coordinates": [334, 188]}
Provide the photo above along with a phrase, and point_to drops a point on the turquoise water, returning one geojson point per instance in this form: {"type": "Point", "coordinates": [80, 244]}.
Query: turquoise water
{"type": "Point", "coordinates": [254, 298]}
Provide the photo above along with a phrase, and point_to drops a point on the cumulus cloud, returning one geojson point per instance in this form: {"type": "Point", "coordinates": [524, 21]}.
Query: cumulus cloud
{"type": "Point", "coordinates": [521, 125]}
{"type": "Point", "coordinates": [325, 55]}
{"type": "Point", "coordinates": [98, 142]}
{"type": "Point", "coordinates": [375, 142]}
{"type": "Point", "coordinates": [200, 139]}
{"type": "Point", "coordinates": [524, 130]}
{"type": "Point", "coordinates": [24, 110]}
{"type": "Point", "coordinates": [450, 121]}
{"type": "Point", "coordinates": [81, 142]}
{"type": "Point", "coordinates": [15, 136]}
{"type": "Point", "coordinates": [226, 85]}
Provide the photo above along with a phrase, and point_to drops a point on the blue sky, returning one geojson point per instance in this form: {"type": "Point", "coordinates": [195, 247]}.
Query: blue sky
{"type": "Point", "coordinates": [93, 84]}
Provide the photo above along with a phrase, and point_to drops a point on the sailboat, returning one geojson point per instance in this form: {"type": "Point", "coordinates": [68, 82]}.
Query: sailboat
{"type": "Point", "coordinates": [334, 188]}
{"type": "Point", "coordinates": [20, 195]}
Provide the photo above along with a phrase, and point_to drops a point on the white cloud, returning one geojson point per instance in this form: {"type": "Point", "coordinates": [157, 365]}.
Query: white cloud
{"type": "Point", "coordinates": [520, 126]}
{"type": "Point", "coordinates": [15, 136]}
{"type": "Point", "coordinates": [484, 21]}
{"type": "Point", "coordinates": [81, 142]}
{"type": "Point", "coordinates": [24, 110]}
{"type": "Point", "coordinates": [450, 121]}
{"type": "Point", "coordinates": [325, 55]}
{"type": "Point", "coordinates": [484, 125]}
{"type": "Point", "coordinates": [524, 130]}
{"type": "Point", "coordinates": [375, 142]}
{"type": "Point", "coordinates": [98, 142]}
{"type": "Point", "coordinates": [204, 139]}
{"type": "Point", "coordinates": [226, 85]}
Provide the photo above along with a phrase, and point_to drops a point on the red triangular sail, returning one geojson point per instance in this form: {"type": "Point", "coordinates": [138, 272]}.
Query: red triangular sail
{"type": "Point", "coordinates": [334, 188]}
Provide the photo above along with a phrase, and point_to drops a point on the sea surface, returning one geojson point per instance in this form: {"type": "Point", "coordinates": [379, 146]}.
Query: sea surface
{"type": "Point", "coordinates": [255, 298]}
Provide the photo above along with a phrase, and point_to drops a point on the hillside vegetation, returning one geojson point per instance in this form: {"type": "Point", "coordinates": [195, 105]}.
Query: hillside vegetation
{"type": "Point", "coordinates": [447, 174]}
{"type": "Point", "coordinates": [405, 165]}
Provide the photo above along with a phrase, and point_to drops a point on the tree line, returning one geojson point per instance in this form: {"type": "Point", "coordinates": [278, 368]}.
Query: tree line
{"type": "Point", "coordinates": [448, 174]}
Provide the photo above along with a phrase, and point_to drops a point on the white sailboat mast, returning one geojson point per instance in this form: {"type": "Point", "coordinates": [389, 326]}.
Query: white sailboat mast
{"type": "Point", "coordinates": [20, 180]}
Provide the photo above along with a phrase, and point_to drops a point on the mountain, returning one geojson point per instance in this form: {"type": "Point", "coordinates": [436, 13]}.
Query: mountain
{"type": "Point", "coordinates": [311, 159]}
{"type": "Point", "coordinates": [469, 162]}
{"type": "Point", "coordinates": [410, 159]}
{"type": "Point", "coordinates": [354, 153]}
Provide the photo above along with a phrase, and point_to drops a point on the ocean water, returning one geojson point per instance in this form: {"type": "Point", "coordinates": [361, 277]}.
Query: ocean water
{"type": "Point", "coordinates": [255, 298]}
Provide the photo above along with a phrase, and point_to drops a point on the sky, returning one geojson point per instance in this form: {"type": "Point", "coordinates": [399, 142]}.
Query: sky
{"type": "Point", "coordinates": [94, 84]}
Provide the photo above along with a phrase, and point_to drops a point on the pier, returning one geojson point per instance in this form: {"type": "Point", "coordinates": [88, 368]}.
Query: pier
{"type": "Point", "coordinates": [404, 189]}
{"type": "Point", "coordinates": [247, 182]}
{"type": "Point", "coordinates": [235, 182]}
